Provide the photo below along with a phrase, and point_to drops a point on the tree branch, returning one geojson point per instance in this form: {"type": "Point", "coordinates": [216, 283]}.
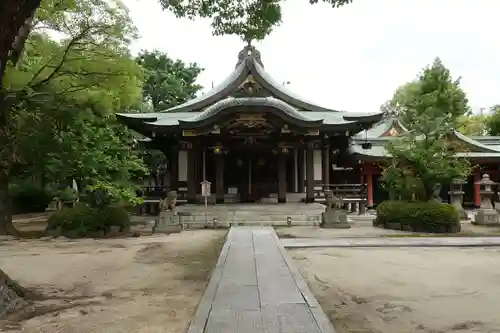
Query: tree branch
{"type": "Point", "coordinates": [60, 64]}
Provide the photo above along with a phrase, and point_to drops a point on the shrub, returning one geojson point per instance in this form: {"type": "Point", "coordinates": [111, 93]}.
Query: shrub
{"type": "Point", "coordinates": [419, 216]}
{"type": "Point", "coordinates": [83, 220]}
{"type": "Point", "coordinates": [29, 198]}
{"type": "Point", "coordinates": [114, 216]}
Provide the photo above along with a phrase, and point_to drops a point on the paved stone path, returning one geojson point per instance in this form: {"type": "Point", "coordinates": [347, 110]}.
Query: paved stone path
{"type": "Point", "coordinates": [256, 287]}
{"type": "Point", "coordinates": [392, 242]}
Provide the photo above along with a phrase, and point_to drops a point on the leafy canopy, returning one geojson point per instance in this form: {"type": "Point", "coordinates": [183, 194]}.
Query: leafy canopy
{"type": "Point", "coordinates": [168, 82]}
{"type": "Point", "coordinates": [248, 19]}
{"type": "Point", "coordinates": [74, 74]}
{"type": "Point", "coordinates": [493, 121]}
{"type": "Point", "coordinates": [473, 124]}
{"type": "Point", "coordinates": [424, 158]}
{"type": "Point", "coordinates": [437, 93]}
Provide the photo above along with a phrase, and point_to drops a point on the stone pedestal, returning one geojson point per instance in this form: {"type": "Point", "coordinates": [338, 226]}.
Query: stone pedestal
{"type": "Point", "coordinates": [486, 214]}
{"type": "Point", "coordinates": [456, 195]}
{"type": "Point", "coordinates": [335, 218]}
{"type": "Point", "coordinates": [487, 217]}
{"type": "Point", "coordinates": [497, 203]}
{"type": "Point", "coordinates": [168, 222]}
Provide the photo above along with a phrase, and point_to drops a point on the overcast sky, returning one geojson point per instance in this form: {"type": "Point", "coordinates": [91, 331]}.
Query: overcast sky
{"type": "Point", "coordinates": [352, 58]}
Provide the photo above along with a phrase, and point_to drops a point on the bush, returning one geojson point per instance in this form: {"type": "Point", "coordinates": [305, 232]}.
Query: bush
{"type": "Point", "coordinates": [83, 220]}
{"type": "Point", "coordinates": [430, 216]}
{"type": "Point", "coordinates": [29, 198]}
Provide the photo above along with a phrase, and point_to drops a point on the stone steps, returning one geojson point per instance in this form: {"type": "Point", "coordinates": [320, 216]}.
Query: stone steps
{"type": "Point", "coordinates": [252, 215]}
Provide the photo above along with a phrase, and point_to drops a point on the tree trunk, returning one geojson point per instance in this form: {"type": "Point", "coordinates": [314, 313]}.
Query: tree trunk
{"type": "Point", "coordinates": [6, 226]}
{"type": "Point", "coordinates": [14, 14]}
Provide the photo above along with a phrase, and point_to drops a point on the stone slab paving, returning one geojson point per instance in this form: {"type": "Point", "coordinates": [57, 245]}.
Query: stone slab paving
{"type": "Point", "coordinates": [256, 287]}
{"type": "Point", "coordinates": [392, 242]}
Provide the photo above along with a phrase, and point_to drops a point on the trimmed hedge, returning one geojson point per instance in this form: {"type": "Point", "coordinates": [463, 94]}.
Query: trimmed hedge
{"type": "Point", "coordinates": [431, 216]}
{"type": "Point", "coordinates": [85, 221]}
{"type": "Point", "coordinates": [27, 198]}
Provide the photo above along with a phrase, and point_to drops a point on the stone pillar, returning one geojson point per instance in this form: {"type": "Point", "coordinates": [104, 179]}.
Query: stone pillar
{"type": "Point", "coordinates": [219, 178]}
{"type": "Point", "coordinates": [300, 170]}
{"type": "Point", "coordinates": [456, 195]}
{"type": "Point", "coordinates": [191, 176]}
{"type": "Point", "coordinates": [325, 166]}
{"type": "Point", "coordinates": [281, 177]}
{"type": "Point", "coordinates": [310, 173]}
{"type": "Point", "coordinates": [486, 214]}
{"type": "Point", "coordinates": [174, 168]}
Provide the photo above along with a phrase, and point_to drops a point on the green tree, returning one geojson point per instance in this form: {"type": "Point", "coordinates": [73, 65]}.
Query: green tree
{"type": "Point", "coordinates": [434, 93]}
{"type": "Point", "coordinates": [251, 19]}
{"type": "Point", "coordinates": [473, 124]}
{"type": "Point", "coordinates": [425, 156]}
{"type": "Point", "coordinates": [248, 19]}
{"type": "Point", "coordinates": [60, 89]}
{"type": "Point", "coordinates": [168, 82]}
{"type": "Point", "coordinates": [493, 122]}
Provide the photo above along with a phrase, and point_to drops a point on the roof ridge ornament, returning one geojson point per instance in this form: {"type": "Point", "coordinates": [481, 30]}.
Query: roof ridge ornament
{"type": "Point", "coordinates": [249, 51]}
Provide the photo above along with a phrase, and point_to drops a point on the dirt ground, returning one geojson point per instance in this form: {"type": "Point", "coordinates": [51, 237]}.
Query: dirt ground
{"type": "Point", "coordinates": [141, 285]}
{"type": "Point", "coordinates": [417, 290]}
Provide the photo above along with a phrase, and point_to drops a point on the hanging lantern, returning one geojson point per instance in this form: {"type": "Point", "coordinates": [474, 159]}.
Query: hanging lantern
{"type": "Point", "coordinates": [218, 149]}
{"type": "Point", "coordinates": [366, 144]}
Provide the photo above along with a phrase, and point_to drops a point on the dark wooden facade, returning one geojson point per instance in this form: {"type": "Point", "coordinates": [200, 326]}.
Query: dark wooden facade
{"type": "Point", "coordinates": [252, 139]}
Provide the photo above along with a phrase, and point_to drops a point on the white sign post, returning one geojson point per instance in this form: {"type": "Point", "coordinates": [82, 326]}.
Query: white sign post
{"type": "Point", "coordinates": [205, 193]}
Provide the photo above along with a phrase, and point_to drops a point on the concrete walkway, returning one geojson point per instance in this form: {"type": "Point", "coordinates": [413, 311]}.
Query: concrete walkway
{"type": "Point", "coordinates": [392, 242]}
{"type": "Point", "coordinates": [256, 287]}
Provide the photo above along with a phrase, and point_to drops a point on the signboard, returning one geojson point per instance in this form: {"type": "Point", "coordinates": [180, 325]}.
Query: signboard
{"type": "Point", "coordinates": [205, 188]}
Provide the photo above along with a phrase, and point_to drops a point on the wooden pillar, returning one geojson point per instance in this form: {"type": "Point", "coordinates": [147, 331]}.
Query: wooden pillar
{"type": "Point", "coordinates": [282, 178]}
{"type": "Point", "coordinates": [197, 170]}
{"type": "Point", "coordinates": [300, 170]}
{"type": "Point", "coordinates": [295, 175]}
{"type": "Point", "coordinates": [325, 165]}
{"type": "Point", "coordinates": [204, 165]}
{"type": "Point", "coordinates": [369, 189]}
{"type": "Point", "coordinates": [191, 176]}
{"type": "Point", "coordinates": [219, 178]}
{"type": "Point", "coordinates": [174, 168]}
{"type": "Point", "coordinates": [477, 189]}
{"type": "Point", "coordinates": [310, 173]}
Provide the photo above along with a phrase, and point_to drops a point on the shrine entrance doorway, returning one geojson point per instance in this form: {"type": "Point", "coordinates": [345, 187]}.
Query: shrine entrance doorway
{"type": "Point", "coordinates": [253, 174]}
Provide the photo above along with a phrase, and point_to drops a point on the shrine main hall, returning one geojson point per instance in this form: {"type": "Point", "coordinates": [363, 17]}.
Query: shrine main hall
{"type": "Point", "coordinates": [254, 140]}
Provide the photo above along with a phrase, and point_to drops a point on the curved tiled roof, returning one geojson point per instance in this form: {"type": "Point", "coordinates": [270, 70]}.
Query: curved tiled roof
{"type": "Point", "coordinates": [249, 63]}
{"type": "Point", "coordinates": [381, 128]}
{"type": "Point", "coordinates": [251, 101]}
{"type": "Point", "coordinates": [480, 146]}
{"type": "Point", "coordinates": [214, 94]}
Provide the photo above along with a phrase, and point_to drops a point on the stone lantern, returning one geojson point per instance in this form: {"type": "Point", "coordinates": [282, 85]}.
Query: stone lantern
{"type": "Point", "coordinates": [486, 214]}
{"type": "Point", "coordinates": [456, 195]}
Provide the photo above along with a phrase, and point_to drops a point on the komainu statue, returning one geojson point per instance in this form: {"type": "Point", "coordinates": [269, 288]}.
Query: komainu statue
{"type": "Point", "coordinates": [168, 204]}
{"type": "Point", "coordinates": [334, 216]}
{"type": "Point", "coordinates": [331, 201]}
{"type": "Point", "coordinates": [168, 220]}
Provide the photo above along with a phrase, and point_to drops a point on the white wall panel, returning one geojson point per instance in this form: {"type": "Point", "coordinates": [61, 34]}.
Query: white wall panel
{"type": "Point", "coordinates": [317, 165]}
{"type": "Point", "coordinates": [182, 166]}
